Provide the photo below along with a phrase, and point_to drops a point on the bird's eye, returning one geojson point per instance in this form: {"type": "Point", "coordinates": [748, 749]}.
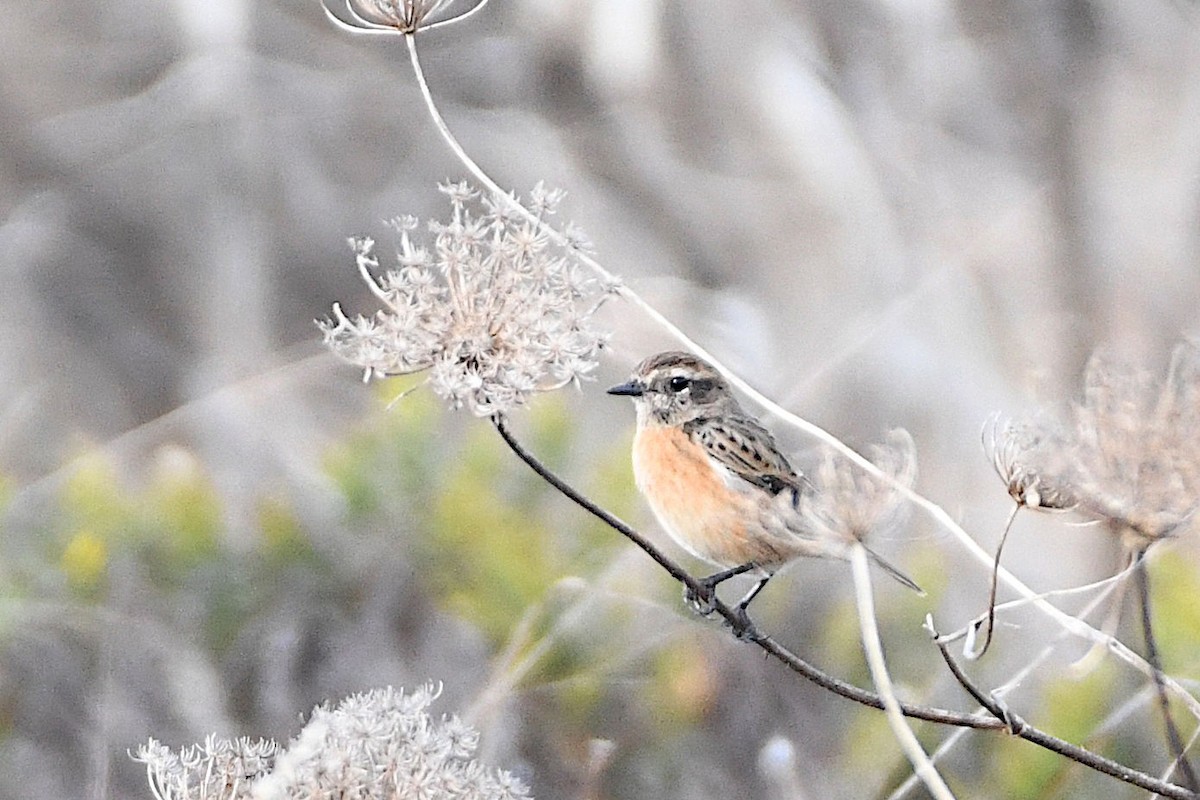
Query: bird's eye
{"type": "Point", "coordinates": [678, 383]}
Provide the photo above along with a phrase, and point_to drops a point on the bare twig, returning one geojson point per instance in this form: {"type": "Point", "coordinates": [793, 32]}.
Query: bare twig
{"type": "Point", "coordinates": [1019, 727]}
{"type": "Point", "coordinates": [1174, 740]}
{"type": "Point", "coordinates": [745, 630]}
{"type": "Point", "coordinates": [1106, 587]}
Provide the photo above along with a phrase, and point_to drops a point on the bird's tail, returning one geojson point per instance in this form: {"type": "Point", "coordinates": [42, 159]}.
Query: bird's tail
{"type": "Point", "coordinates": [893, 571]}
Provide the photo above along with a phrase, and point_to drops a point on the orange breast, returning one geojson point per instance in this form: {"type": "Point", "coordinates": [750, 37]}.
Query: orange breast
{"type": "Point", "coordinates": [693, 503]}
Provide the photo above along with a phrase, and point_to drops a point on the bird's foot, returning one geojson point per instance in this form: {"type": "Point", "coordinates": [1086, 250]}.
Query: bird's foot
{"type": "Point", "coordinates": [702, 600]}
{"type": "Point", "coordinates": [743, 627]}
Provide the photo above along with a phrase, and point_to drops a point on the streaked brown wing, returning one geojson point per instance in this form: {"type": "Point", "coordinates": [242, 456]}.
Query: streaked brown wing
{"type": "Point", "coordinates": [748, 450]}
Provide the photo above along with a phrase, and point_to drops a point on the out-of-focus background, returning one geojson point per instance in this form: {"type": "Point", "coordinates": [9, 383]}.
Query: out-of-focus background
{"type": "Point", "coordinates": [883, 214]}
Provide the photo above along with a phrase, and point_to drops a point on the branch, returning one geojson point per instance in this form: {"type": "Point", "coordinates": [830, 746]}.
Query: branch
{"type": "Point", "coordinates": [1019, 727]}
{"type": "Point", "coordinates": [745, 630]}
{"type": "Point", "coordinates": [742, 627]}
{"type": "Point", "coordinates": [1174, 740]}
{"type": "Point", "coordinates": [1107, 587]}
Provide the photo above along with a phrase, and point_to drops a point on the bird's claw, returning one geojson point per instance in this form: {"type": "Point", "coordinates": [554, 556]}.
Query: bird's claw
{"type": "Point", "coordinates": [743, 627]}
{"type": "Point", "coordinates": [703, 601]}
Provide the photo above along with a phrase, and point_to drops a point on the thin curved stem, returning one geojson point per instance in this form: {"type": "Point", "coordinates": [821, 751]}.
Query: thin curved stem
{"type": "Point", "coordinates": [991, 606]}
{"type": "Point", "coordinates": [873, 649]}
{"type": "Point", "coordinates": [745, 630]}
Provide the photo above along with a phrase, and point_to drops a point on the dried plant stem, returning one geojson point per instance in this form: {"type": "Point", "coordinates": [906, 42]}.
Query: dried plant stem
{"type": "Point", "coordinates": [873, 649]}
{"type": "Point", "coordinates": [1019, 727]}
{"type": "Point", "coordinates": [1109, 584]}
{"type": "Point", "coordinates": [991, 606]}
{"type": "Point", "coordinates": [1107, 587]}
{"type": "Point", "coordinates": [1174, 740]}
{"type": "Point", "coordinates": [1191, 742]}
{"type": "Point", "coordinates": [745, 630]}
{"type": "Point", "coordinates": [939, 514]}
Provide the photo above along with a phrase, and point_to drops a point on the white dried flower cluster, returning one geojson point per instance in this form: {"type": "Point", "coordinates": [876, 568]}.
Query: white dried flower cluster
{"type": "Point", "coordinates": [1129, 455]}
{"type": "Point", "coordinates": [219, 768]}
{"type": "Point", "coordinates": [379, 745]}
{"type": "Point", "coordinates": [493, 310]}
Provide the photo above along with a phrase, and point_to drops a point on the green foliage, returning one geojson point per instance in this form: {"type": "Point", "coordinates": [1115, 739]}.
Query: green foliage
{"type": "Point", "coordinates": [173, 526]}
{"type": "Point", "coordinates": [283, 536]}
{"type": "Point", "coordinates": [174, 521]}
{"type": "Point", "coordinates": [497, 538]}
{"type": "Point", "coordinates": [84, 561]}
{"type": "Point", "coordinates": [393, 458]}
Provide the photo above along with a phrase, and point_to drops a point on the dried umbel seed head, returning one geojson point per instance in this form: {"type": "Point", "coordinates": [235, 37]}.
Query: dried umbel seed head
{"type": "Point", "coordinates": [1032, 458]}
{"type": "Point", "coordinates": [849, 504]}
{"type": "Point", "coordinates": [393, 16]}
{"type": "Point", "coordinates": [1136, 447]}
{"type": "Point", "coordinates": [490, 309]}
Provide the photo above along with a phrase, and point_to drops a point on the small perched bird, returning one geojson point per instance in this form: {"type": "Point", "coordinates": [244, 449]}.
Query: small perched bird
{"type": "Point", "coordinates": [715, 479]}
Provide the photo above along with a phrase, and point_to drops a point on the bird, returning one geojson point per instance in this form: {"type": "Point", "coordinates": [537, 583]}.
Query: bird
{"type": "Point", "coordinates": [716, 480]}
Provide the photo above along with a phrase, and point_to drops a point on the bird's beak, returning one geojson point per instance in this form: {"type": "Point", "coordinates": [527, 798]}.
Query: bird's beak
{"type": "Point", "coordinates": [629, 388]}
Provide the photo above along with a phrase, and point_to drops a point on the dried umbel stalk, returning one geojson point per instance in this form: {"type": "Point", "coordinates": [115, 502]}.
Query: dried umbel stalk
{"type": "Point", "coordinates": [492, 311]}
{"type": "Point", "coordinates": [1032, 458]}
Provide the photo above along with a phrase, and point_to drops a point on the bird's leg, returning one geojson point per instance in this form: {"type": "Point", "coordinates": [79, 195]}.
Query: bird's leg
{"type": "Point", "coordinates": [745, 628]}
{"type": "Point", "coordinates": [703, 601]}
{"type": "Point", "coordinates": [750, 595]}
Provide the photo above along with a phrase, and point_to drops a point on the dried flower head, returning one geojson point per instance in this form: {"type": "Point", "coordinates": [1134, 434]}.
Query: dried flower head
{"type": "Point", "coordinates": [381, 743]}
{"type": "Point", "coordinates": [492, 310]}
{"type": "Point", "coordinates": [849, 503]}
{"type": "Point", "coordinates": [1031, 457]}
{"type": "Point", "coordinates": [218, 768]}
{"type": "Point", "coordinates": [1137, 447]}
{"type": "Point", "coordinates": [391, 16]}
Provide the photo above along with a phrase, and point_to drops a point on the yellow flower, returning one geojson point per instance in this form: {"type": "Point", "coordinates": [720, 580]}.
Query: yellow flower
{"type": "Point", "coordinates": [85, 559]}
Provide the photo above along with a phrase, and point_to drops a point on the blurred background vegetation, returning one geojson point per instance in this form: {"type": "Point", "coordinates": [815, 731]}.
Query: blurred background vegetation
{"type": "Point", "coordinates": [883, 214]}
